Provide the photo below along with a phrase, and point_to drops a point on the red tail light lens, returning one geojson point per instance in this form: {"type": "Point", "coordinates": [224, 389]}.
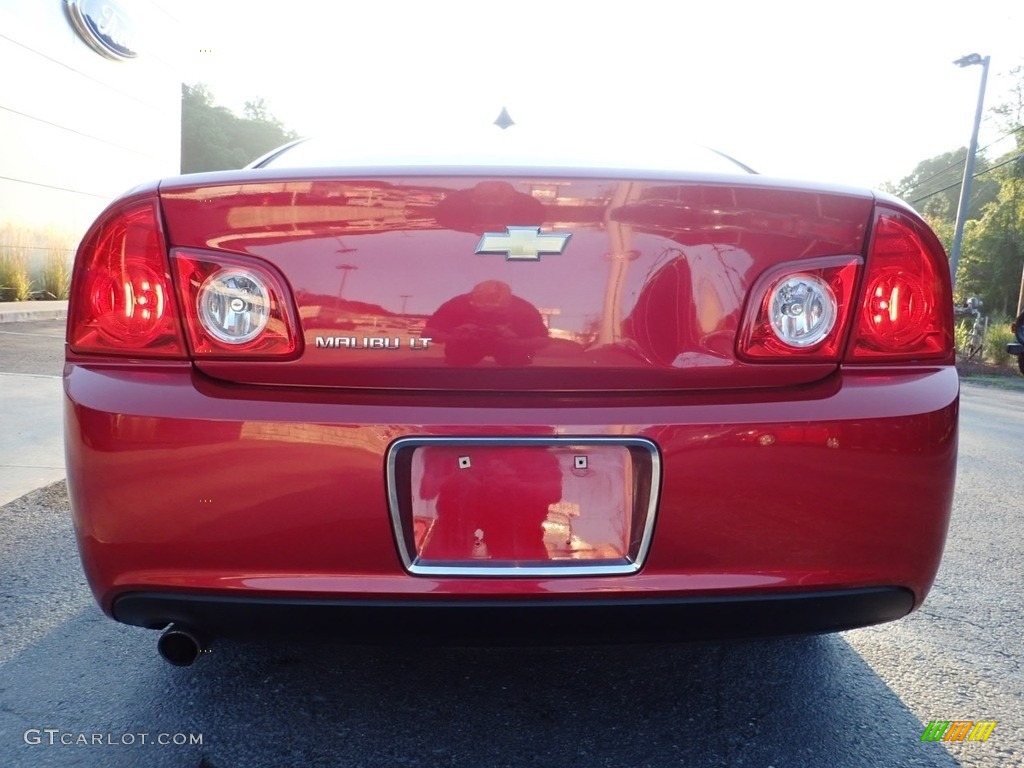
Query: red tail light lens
{"type": "Point", "coordinates": [234, 307]}
{"type": "Point", "coordinates": [122, 302]}
{"type": "Point", "coordinates": [799, 311]}
{"type": "Point", "coordinates": [906, 312]}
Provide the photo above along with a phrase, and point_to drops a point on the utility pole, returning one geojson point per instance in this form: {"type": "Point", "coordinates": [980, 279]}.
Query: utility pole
{"type": "Point", "coordinates": [965, 188]}
{"type": "Point", "coordinates": [345, 269]}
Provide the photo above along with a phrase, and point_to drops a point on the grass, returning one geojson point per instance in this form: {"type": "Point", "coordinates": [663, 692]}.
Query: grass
{"type": "Point", "coordinates": [1013, 383]}
{"type": "Point", "coordinates": [15, 284]}
{"type": "Point", "coordinates": [998, 336]}
{"type": "Point", "coordinates": [993, 349]}
{"type": "Point", "coordinates": [35, 262]}
{"type": "Point", "coordinates": [55, 279]}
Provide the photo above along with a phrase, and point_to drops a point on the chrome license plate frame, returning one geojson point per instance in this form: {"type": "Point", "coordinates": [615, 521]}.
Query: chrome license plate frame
{"type": "Point", "coordinates": [645, 474]}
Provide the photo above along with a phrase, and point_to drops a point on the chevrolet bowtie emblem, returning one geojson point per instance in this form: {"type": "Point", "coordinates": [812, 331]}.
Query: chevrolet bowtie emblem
{"type": "Point", "coordinates": [522, 243]}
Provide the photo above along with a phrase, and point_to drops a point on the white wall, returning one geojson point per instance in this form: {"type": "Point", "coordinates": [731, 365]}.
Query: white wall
{"type": "Point", "coordinates": [77, 128]}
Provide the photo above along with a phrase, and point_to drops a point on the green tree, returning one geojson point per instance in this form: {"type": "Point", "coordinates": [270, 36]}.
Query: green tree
{"type": "Point", "coordinates": [993, 256]}
{"type": "Point", "coordinates": [257, 110]}
{"type": "Point", "coordinates": [993, 253]}
{"type": "Point", "coordinates": [213, 138]}
{"type": "Point", "coordinates": [993, 248]}
{"type": "Point", "coordinates": [933, 188]}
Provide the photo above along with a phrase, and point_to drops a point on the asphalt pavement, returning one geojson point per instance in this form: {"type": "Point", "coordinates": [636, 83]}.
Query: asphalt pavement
{"type": "Point", "coordinates": [77, 689]}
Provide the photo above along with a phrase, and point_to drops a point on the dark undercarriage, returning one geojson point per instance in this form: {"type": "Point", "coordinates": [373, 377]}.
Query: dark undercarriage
{"type": "Point", "coordinates": [519, 622]}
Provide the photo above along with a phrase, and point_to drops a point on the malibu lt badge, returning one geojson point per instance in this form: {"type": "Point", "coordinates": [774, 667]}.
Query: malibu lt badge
{"type": "Point", "coordinates": [371, 342]}
{"type": "Point", "coordinates": [522, 243]}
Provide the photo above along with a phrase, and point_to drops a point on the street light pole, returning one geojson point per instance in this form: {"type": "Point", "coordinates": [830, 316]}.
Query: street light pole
{"type": "Point", "coordinates": [965, 188]}
{"type": "Point", "coordinates": [345, 269]}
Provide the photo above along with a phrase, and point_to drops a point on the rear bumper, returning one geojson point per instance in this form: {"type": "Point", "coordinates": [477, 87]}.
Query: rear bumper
{"type": "Point", "coordinates": [1014, 348]}
{"type": "Point", "coordinates": [184, 486]}
{"type": "Point", "coordinates": [516, 622]}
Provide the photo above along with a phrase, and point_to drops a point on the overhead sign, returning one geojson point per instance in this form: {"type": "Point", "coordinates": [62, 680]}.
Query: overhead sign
{"type": "Point", "coordinates": [104, 26]}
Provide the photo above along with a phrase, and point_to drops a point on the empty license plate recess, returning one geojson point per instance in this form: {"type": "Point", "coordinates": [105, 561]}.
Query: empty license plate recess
{"type": "Point", "coordinates": [523, 506]}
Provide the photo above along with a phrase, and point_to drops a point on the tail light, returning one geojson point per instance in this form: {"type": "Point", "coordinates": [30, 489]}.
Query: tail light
{"type": "Point", "coordinates": [804, 311]}
{"type": "Point", "coordinates": [801, 311]}
{"type": "Point", "coordinates": [906, 309]}
{"type": "Point", "coordinates": [122, 301]}
{"type": "Point", "coordinates": [234, 306]}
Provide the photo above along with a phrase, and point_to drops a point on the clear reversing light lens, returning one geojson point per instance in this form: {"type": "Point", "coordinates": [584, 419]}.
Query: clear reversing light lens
{"type": "Point", "coordinates": [802, 310]}
{"type": "Point", "coordinates": [234, 305]}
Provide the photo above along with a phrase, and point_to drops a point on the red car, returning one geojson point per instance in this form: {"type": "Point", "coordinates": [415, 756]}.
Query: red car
{"type": "Point", "coordinates": [501, 403]}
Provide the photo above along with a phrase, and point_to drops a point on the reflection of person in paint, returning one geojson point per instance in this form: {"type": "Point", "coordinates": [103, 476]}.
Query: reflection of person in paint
{"type": "Point", "coordinates": [494, 505]}
{"type": "Point", "coordinates": [489, 321]}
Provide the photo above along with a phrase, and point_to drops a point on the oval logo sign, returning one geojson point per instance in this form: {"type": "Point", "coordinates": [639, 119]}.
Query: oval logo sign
{"type": "Point", "coordinates": [105, 26]}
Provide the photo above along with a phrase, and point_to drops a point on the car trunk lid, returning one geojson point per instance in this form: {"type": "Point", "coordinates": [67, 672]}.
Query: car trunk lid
{"type": "Point", "coordinates": [551, 281]}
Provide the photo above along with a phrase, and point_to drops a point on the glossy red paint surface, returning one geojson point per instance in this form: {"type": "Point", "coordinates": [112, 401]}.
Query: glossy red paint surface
{"type": "Point", "coordinates": [648, 292]}
{"type": "Point", "coordinates": [286, 494]}
{"type": "Point", "coordinates": [224, 473]}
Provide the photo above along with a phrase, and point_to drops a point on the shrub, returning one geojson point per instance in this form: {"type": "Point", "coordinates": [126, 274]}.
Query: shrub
{"type": "Point", "coordinates": [34, 262]}
{"type": "Point", "coordinates": [998, 336]}
{"type": "Point", "coordinates": [962, 336]}
{"type": "Point", "coordinates": [15, 284]}
{"type": "Point", "coordinates": [55, 279]}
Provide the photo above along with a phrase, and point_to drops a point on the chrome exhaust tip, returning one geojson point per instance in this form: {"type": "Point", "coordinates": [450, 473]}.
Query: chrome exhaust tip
{"type": "Point", "coordinates": [179, 645]}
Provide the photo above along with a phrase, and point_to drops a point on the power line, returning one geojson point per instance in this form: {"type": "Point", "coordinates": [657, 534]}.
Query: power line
{"type": "Point", "coordinates": [954, 164]}
{"type": "Point", "coordinates": [958, 164]}
{"type": "Point", "coordinates": [974, 176]}
{"type": "Point", "coordinates": [1000, 165]}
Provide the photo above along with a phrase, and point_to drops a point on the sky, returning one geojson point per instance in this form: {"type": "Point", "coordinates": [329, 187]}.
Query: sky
{"type": "Point", "coordinates": [848, 93]}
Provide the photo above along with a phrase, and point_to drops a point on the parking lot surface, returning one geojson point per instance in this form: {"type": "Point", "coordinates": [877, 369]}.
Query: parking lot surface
{"type": "Point", "coordinates": [77, 689]}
